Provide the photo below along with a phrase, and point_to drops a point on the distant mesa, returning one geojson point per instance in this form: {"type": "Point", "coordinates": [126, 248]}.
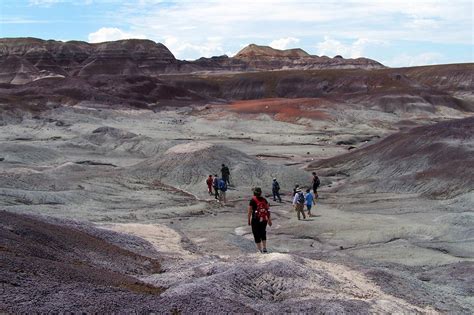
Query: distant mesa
{"type": "Point", "coordinates": [140, 73]}
{"type": "Point", "coordinates": [267, 58]}
{"type": "Point", "coordinates": [75, 58]}
{"type": "Point", "coordinates": [22, 60]}
{"type": "Point", "coordinates": [253, 50]}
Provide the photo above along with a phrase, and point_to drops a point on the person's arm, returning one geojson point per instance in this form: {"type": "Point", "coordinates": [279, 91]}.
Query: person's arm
{"type": "Point", "coordinates": [249, 214]}
{"type": "Point", "coordinates": [269, 218]}
{"type": "Point", "coordinates": [294, 199]}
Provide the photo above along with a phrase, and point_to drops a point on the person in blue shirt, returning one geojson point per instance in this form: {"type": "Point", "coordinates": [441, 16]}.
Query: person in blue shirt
{"type": "Point", "coordinates": [309, 201]}
{"type": "Point", "coordinates": [222, 184]}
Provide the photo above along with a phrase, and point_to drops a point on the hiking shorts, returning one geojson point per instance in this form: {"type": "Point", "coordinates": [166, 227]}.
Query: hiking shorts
{"type": "Point", "coordinates": [308, 206]}
{"type": "Point", "coordinates": [259, 230]}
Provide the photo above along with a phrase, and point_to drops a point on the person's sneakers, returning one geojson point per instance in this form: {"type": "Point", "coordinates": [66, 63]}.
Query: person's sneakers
{"type": "Point", "coordinates": [264, 251]}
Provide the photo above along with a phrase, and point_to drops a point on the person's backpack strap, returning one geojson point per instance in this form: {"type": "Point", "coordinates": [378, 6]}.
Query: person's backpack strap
{"type": "Point", "coordinates": [254, 198]}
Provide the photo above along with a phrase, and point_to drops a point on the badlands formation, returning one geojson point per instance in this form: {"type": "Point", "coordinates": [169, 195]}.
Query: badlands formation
{"type": "Point", "coordinates": [105, 148]}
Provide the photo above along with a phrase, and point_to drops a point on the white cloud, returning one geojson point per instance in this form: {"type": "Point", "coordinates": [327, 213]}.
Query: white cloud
{"type": "Point", "coordinates": [43, 3]}
{"type": "Point", "coordinates": [212, 46]}
{"type": "Point", "coordinates": [353, 27]}
{"type": "Point", "coordinates": [284, 43]}
{"type": "Point", "coordinates": [48, 3]}
{"type": "Point", "coordinates": [422, 23]}
{"type": "Point", "coordinates": [331, 47]}
{"type": "Point", "coordinates": [106, 34]}
{"type": "Point", "coordinates": [405, 60]}
{"type": "Point", "coordinates": [381, 20]}
{"type": "Point", "coordinates": [19, 20]}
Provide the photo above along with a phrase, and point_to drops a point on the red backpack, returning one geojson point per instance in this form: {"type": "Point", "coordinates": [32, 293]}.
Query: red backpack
{"type": "Point", "coordinates": [261, 213]}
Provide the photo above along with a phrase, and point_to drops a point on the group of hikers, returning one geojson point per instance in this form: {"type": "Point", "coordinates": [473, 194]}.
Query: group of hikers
{"type": "Point", "coordinates": [300, 199]}
{"type": "Point", "coordinates": [217, 187]}
{"type": "Point", "coordinates": [258, 214]}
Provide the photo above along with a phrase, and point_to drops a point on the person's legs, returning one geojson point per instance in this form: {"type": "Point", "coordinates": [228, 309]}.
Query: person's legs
{"type": "Point", "coordinates": [300, 208]}
{"type": "Point", "coordinates": [225, 178]}
{"type": "Point", "coordinates": [262, 235]}
{"type": "Point", "coordinates": [279, 197]}
{"type": "Point", "coordinates": [216, 193]}
{"type": "Point", "coordinates": [297, 212]}
{"type": "Point", "coordinates": [256, 235]}
{"type": "Point", "coordinates": [309, 209]}
{"type": "Point", "coordinates": [274, 195]}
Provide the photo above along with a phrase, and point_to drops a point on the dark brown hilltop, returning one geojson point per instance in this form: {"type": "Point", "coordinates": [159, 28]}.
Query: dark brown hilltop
{"type": "Point", "coordinates": [75, 58]}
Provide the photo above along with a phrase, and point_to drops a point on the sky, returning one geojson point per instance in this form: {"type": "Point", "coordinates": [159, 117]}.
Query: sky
{"type": "Point", "coordinates": [394, 32]}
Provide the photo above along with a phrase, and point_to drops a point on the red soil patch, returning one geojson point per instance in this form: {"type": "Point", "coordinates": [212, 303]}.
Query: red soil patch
{"type": "Point", "coordinates": [284, 109]}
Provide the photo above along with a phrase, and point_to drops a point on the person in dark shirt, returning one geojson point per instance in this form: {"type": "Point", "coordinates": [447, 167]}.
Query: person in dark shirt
{"type": "Point", "coordinates": [258, 217]}
{"type": "Point", "coordinates": [276, 190]}
{"type": "Point", "coordinates": [225, 174]}
{"type": "Point", "coordinates": [315, 182]}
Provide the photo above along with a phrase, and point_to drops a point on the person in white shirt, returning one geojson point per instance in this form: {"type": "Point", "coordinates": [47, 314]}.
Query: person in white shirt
{"type": "Point", "coordinates": [298, 203]}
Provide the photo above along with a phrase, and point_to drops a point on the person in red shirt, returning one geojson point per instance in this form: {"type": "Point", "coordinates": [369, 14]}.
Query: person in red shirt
{"type": "Point", "coordinates": [209, 182]}
{"type": "Point", "coordinates": [258, 217]}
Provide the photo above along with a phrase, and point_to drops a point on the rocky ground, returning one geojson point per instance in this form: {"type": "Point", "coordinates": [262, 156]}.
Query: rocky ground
{"type": "Point", "coordinates": [119, 195]}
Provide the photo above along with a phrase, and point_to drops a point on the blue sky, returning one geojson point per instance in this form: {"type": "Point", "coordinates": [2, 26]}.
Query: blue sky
{"type": "Point", "coordinates": [394, 32]}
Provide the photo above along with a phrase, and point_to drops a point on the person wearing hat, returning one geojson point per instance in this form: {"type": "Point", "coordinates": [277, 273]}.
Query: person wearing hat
{"type": "Point", "coordinates": [259, 216]}
{"type": "Point", "coordinates": [294, 190]}
{"type": "Point", "coordinates": [276, 190]}
{"type": "Point", "coordinates": [298, 203]}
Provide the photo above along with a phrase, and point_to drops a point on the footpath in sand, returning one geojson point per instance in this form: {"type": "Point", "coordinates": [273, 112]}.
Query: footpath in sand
{"type": "Point", "coordinates": [262, 283]}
